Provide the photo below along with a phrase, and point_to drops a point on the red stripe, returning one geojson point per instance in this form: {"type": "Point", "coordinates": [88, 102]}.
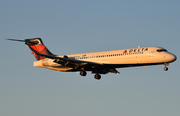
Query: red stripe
{"type": "Point", "coordinates": [39, 48]}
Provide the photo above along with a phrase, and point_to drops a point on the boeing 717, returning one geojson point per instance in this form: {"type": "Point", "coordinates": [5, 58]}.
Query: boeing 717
{"type": "Point", "coordinates": [98, 62]}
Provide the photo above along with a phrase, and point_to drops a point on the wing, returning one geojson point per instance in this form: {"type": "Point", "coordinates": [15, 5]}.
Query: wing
{"type": "Point", "coordinates": [80, 65]}
{"type": "Point", "coordinates": [70, 62]}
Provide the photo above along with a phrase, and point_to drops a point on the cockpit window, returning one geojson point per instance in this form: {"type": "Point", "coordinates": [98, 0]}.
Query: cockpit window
{"type": "Point", "coordinates": [161, 50]}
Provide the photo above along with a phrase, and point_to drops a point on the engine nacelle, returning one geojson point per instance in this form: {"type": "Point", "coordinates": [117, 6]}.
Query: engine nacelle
{"type": "Point", "coordinates": [65, 56]}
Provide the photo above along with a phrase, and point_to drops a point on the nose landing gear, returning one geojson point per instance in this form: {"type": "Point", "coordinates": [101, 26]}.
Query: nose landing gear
{"type": "Point", "coordinates": [166, 68]}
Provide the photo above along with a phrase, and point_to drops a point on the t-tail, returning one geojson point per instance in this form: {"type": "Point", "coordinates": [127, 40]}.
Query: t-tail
{"type": "Point", "coordinates": [35, 45]}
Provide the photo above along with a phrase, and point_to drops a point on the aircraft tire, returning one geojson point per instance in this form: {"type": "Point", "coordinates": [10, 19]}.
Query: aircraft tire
{"type": "Point", "coordinates": [83, 73]}
{"type": "Point", "coordinates": [97, 76]}
{"type": "Point", "coordinates": [166, 68]}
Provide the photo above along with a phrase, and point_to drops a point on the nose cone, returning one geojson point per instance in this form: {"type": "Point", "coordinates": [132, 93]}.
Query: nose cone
{"type": "Point", "coordinates": [172, 58]}
{"type": "Point", "coordinates": [175, 58]}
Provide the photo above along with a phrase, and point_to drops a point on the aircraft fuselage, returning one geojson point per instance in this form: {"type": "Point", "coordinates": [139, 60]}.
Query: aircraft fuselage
{"type": "Point", "coordinates": [115, 58]}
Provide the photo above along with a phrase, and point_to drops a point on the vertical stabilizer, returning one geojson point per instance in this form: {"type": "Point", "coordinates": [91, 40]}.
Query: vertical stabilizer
{"type": "Point", "coordinates": [36, 45]}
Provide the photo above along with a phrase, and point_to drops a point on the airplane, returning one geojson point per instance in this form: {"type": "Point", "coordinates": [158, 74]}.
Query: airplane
{"type": "Point", "coordinates": [98, 62]}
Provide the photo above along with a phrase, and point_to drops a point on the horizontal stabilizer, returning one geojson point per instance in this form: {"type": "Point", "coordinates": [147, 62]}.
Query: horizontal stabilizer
{"type": "Point", "coordinates": [15, 40]}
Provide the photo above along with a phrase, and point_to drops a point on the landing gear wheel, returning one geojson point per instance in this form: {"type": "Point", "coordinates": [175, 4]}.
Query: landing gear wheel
{"type": "Point", "coordinates": [166, 68]}
{"type": "Point", "coordinates": [83, 73]}
{"type": "Point", "coordinates": [97, 76]}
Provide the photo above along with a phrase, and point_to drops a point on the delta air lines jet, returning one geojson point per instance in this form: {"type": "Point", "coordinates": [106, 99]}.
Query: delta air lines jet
{"type": "Point", "coordinates": [98, 62]}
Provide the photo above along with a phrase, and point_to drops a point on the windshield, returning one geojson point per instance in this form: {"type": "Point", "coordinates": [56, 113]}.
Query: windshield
{"type": "Point", "coordinates": [161, 50]}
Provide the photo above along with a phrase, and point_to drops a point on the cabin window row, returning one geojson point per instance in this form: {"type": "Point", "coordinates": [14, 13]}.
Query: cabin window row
{"type": "Point", "coordinates": [111, 55]}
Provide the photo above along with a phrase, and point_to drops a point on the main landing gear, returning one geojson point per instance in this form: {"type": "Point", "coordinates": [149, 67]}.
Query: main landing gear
{"type": "Point", "coordinates": [96, 76]}
{"type": "Point", "coordinates": [83, 73]}
{"type": "Point", "coordinates": [166, 68]}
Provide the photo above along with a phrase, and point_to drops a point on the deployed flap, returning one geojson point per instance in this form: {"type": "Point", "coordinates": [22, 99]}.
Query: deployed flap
{"type": "Point", "coordinates": [113, 70]}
